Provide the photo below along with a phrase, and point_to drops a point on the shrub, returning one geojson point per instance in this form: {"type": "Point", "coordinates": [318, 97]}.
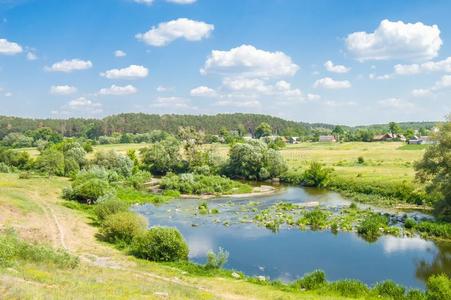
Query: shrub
{"type": "Point", "coordinates": [442, 230]}
{"type": "Point", "coordinates": [438, 287]}
{"type": "Point", "coordinates": [312, 281]}
{"type": "Point", "coordinates": [138, 179]}
{"type": "Point", "coordinates": [389, 289]}
{"type": "Point", "coordinates": [115, 162]}
{"type": "Point", "coordinates": [161, 244]}
{"type": "Point", "coordinates": [25, 175]}
{"type": "Point", "coordinates": [122, 227]}
{"type": "Point", "coordinates": [317, 175]}
{"type": "Point", "coordinates": [370, 228]}
{"type": "Point", "coordinates": [109, 206]}
{"type": "Point", "coordinates": [88, 186]}
{"type": "Point", "coordinates": [51, 162]}
{"type": "Point", "coordinates": [162, 157]}
{"type": "Point", "coordinates": [409, 223]}
{"type": "Point", "coordinates": [415, 295]}
{"type": "Point", "coordinates": [349, 288]}
{"type": "Point", "coordinates": [217, 260]}
{"type": "Point", "coordinates": [360, 160]}
{"type": "Point", "coordinates": [13, 249]}
{"type": "Point", "coordinates": [4, 168]}
{"type": "Point", "coordinates": [315, 218]}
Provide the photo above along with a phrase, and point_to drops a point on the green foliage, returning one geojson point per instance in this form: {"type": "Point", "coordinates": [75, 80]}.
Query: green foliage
{"type": "Point", "coordinates": [254, 160]}
{"type": "Point", "coordinates": [107, 206]}
{"type": "Point", "coordinates": [88, 186]}
{"type": "Point", "coordinates": [20, 160]}
{"type": "Point", "coordinates": [4, 168]}
{"type": "Point", "coordinates": [360, 160]}
{"type": "Point", "coordinates": [138, 179]}
{"type": "Point", "coordinates": [264, 129]}
{"type": "Point", "coordinates": [315, 218]}
{"type": "Point", "coordinates": [317, 175]}
{"type": "Point", "coordinates": [160, 244]}
{"type": "Point", "coordinates": [217, 260]}
{"type": "Point", "coordinates": [370, 228]}
{"type": "Point", "coordinates": [51, 162]}
{"type": "Point", "coordinates": [438, 287]}
{"type": "Point", "coordinates": [389, 289]}
{"type": "Point", "coordinates": [434, 229]}
{"type": "Point", "coordinates": [349, 288]}
{"type": "Point", "coordinates": [162, 157]}
{"type": "Point", "coordinates": [133, 196]}
{"type": "Point", "coordinates": [114, 162]}
{"type": "Point", "coordinates": [14, 249]}
{"type": "Point", "coordinates": [122, 227]}
{"type": "Point", "coordinates": [312, 281]}
{"type": "Point", "coordinates": [410, 223]}
{"type": "Point", "coordinates": [201, 184]}
{"type": "Point", "coordinates": [435, 170]}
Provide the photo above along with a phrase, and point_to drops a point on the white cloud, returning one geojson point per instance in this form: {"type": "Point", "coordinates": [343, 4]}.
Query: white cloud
{"type": "Point", "coordinates": [421, 92]}
{"type": "Point", "coordinates": [9, 48]}
{"type": "Point", "coordinates": [167, 32]}
{"type": "Point", "coordinates": [329, 65]}
{"type": "Point", "coordinates": [313, 97]}
{"type": "Point", "coordinates": [181, 1]}
{"type": "Point", "coordinates": [115, 90]}
{"type": "Point", "coordinates": [396, 40]}
{"type": "Point", "coordinates": [248, 61]}
{"type": "Point", "coordinates": [31, 56]}
{"type": "Point", "coordinates": [430, 66]}
{"type": "Point", "coordinates": [84, 104]}
{"type": "Point", "coordinates": [147, 2]}
{"type": "Point", "coordinates": [119, 53]}
{"type": "Point", "coordinates": [444, 82]}
{"type": "Point", "coordinates": [329, 83]}
{"type": "Point", "coordinates": [172, 102]}
{"type": "Point", "coordinates": [62, 89]}
{"type": "Point", "coordinates": [131, 72]}
{"type": "Point", "coordinates": [249, 103]}
{"type": "Point", "coordinates": [333, 103]}
{"type": "Point", "coordinates": [203, 91]}
{"type": "Point", "coordinates": [246, 84]}
{"type": "Point", "coordinates": [397, 103]}
{"type": "Point", "coordinates": [162, 89]}
{"type": "Point", "coordinates": [380, 77]}
{"type": "Point", "coordinates": [68, 66]}
{"type": "Point", "coordinates": [394, 244]}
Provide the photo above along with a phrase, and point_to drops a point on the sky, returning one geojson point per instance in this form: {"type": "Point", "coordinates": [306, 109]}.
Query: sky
{"type": "Point", "coordinates": [349, 62]}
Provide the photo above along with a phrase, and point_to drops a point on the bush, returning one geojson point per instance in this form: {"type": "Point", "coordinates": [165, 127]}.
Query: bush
{"type": "Point", "coordinates": [409, 223]}
{"type": "Point", "coordinates": [436, 229]}
{"type": "Point", "coordinates": [315, 218]}
{"type": "Point", "coordinates": [25, 175]}
{"type": "Point", "coordinates": [370, 228]}
{"type": "Point", "coordinates": [389, 289]}
{"type": "Point", "coordinates": [360, 160]}
{"type": "Point", "coordinates": [138, 179]}
{"type": "Point", "coordinates": [312, 281]}
{"type": "Point", "coordinates": [415, 295]}
{"type": "Point", "coordinates": [217, 260]}
{"type": "Point", "coordinates": [13, 249]}
{"type": "Point", "coordinates": [115, 162]}
{"type": "Point", "coordinates": [122, 227]}
{"type": "Point", "coordinates": [88, 186]}
{"type": "Point", "coordinates": [109, 206]}
{"type": "Point", "coordinates": [161, 244]}
{"type": "Point", "coordinates": [4, 168]}
{"type": "Point", "coordinates": [438, 287]}
{"type": "Point", "coordinates": [51, 162]}
{"type": "Point", "coordinates": [349, 288]}
{"type": "Point", "coordinates": [317, 175]}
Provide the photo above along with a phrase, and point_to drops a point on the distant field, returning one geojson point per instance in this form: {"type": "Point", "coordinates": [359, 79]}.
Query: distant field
{"type": "Point", "coordinates": [383, 162]}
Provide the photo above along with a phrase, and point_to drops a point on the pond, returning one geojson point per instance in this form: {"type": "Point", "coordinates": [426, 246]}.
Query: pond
{"type": "Point", "coordinates": [290, 253]}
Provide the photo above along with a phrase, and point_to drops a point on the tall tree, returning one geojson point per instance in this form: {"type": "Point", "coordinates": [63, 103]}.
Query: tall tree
{"type": "Point", "coordinates": [264, 129]}
{"type": "Point", "coordinates": [435, 170]}
{"type": "Point", "coordinates": [394, 128]}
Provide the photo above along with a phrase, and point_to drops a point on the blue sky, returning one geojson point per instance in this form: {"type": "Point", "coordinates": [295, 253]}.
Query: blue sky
{"type": "Point", "coordinates": [348, 62]}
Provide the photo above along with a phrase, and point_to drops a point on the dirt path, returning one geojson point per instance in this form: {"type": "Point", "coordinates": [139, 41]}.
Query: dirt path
{"type": "Point", "coordinates": [61, 223]}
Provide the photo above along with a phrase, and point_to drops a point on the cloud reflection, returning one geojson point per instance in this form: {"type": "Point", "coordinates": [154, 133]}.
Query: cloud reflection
{"type": "Point", "coordinates": [394, 244]}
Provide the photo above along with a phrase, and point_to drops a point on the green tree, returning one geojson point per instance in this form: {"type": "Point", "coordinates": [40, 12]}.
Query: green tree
{"type": "Point", "coordinates": [338, 132]}
{"type": "Point", "coordinates": [394, 127]}
{"type": "Point", "coordinates": [264, 129]}
{"type": "Point", "coordinates": [161, 157]}
{"type": "Point", "coordinates": [435, 170]}
{"type": "Point", "coordinates": [51, 162]}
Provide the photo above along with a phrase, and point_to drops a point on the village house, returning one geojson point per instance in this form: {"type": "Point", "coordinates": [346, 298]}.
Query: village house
{"type": "Point", "coordinates": [388, 137]}
{"type": "Point", "coordinates": [293, 140]}
{"type": "Point", "coordinates": [327, 139]}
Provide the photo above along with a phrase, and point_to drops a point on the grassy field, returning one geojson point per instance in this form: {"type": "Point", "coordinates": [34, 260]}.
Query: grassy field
{"type": "Point", "coordinates": [34, 208]}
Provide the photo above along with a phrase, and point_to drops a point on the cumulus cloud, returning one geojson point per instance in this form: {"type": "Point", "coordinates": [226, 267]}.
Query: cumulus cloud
{"type": "Point", "coordinates": [84, 104]}
{"type": "Point", "coordinates": [248, 61]}
{"type": "Point", "coordinates": [147, 2]}
{"type": "Point", "coordinates": [115, 90]}
{"type": "Point", "coordinates": [430, 66]}
{"type": "Point", "coordinates": [329, 65]}
{"type": "Point", "coordinates": [380, 77]}
{"type": "Point", "coordinates": [203, 91]}
{"type": "Point", "coordinates": [62, 89]}
{"type": "Point", "coordinates": [9, 48]}
{"type": "Point", "coordinates": [68, 66]}
{"type": "Point", "coordinates": [396, 40]}
{"type": "Point", "coordinates": [329, 83]}
{"type": "Point", "coordinates": [167, 32]}
{"type": "Point", "coordinates": [443, 83]}
{"type": "Point", "coordinates": [119, 53]}
{"type": "Point", "coordinates": [131, 72]}
{"type": "Point", "coordinates": [397, 103]}
{"type": "Point", "coordinates": [31, 56]}
{"type": "Point", "coordinates": [172, 102]}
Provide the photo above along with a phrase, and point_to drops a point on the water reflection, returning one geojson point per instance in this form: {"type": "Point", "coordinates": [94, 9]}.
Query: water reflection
{"type": "Point", "coordinates": [290, 253]}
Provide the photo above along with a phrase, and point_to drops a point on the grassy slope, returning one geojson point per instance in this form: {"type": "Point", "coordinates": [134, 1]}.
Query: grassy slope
{"type": "Point", "coordinates": [34, 208]}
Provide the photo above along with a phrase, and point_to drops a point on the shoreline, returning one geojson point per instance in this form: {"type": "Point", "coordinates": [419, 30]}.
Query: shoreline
{"type": "Point", "coordinates": [262, 190]}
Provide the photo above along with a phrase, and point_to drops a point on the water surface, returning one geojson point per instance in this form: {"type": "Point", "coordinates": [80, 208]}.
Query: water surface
{"type": "Point", "coordinates": [290, 253]}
